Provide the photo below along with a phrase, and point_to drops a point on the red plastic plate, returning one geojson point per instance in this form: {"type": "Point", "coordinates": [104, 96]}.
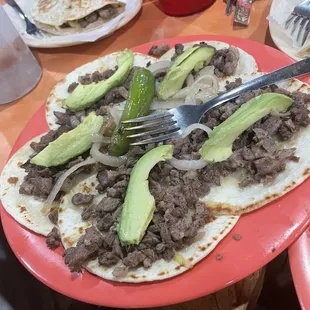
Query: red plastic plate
{"type": "Point", "coordinates": [265, 233]}
{"type": "Point", "coordinates": [299, 254]}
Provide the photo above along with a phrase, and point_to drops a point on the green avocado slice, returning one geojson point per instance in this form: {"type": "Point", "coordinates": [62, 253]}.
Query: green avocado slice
{"type": "Point", "coordinates": [193, 58]}
{"type": "Point", "coordinates": [139, 204]}
{"type": "Point", "coordinates": [219, 145]}
{"type": "Point", "coordinates": [84, 96]}
{"type": "Point", "coordinates": [70, 144]}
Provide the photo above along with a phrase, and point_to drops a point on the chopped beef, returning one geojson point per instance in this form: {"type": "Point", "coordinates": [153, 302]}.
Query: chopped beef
{"type": "Point", "coordinates": [53, 216]}
{"type": "Point", "coordinates": [53, 239]}
{"type": "Point", "coordinates": [92, 17]}
{"type": "Point", "coordinates": [87, 245]}
{"type": "Point", "coordinates": [81, 199]}
{"type": "Point", "coordinates": [232, 85]}
{"type": "Point", "coordinates": [225, 61]}
{"type": "Point", "coordinates": [159, 50]}
{"type": "Point", "coordinates": [178, 50]}
{"type": "Point", "coordinates": [39, 187]}
{"type": "Point", "coordinates": [72, 87]}
{"type": "Point", "coordinates": [108, 12]}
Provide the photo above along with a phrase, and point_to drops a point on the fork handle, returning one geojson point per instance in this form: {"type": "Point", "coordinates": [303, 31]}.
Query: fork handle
{"type": "Point", "coordinates": [296, 69]}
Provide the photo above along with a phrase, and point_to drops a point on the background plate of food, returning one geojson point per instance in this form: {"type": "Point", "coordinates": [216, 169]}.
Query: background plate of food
{"type": "Point", "coordinates": [185, 241]}
{"type": "Point", "coordinates": [67, 23]}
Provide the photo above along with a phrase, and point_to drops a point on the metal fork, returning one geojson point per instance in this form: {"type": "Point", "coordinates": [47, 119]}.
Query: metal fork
{"type": "Point", "coordinates": [30, 27]}
{"type": "Point", "coordinates": [173, 122]}
{"type": "Point", "coordinates": [300, 19]}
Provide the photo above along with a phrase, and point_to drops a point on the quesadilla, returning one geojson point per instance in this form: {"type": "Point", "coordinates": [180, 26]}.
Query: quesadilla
{"type": "Point", "coordinates": [63, 17]}
{"type": "Point", "coordinates": [200, 85]}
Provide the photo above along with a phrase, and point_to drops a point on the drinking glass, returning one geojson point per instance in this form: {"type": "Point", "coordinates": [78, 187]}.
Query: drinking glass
{"type": "Point", "coordinates": [19, 70]}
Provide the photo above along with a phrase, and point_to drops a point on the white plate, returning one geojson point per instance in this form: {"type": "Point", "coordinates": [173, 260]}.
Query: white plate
{"type": "Point", "coordinates": [49, 41]}
{"type": "Point", "coordinates": [282, 40]}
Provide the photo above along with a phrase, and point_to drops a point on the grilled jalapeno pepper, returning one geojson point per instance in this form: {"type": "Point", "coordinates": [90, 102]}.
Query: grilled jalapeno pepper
{"type": "Point", "coordinates": [138, 104]}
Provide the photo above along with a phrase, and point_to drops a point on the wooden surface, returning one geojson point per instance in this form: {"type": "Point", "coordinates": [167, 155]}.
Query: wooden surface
{"type": "Point", "coordinates": [149, 25]}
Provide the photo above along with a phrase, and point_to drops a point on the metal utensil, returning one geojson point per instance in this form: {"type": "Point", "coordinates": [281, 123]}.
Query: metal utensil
{"type": "Point", "coordinates": [173, 122]}
{"type": "Point", "coordinates": [299, 20]}
{"type": "Point", "coordinates": [229, 5]}
{"type": "Point", "coordinates": [30, 27]}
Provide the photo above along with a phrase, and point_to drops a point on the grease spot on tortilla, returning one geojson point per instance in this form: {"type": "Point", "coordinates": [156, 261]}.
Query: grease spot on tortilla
{"type": "Point", "coordinates": [19, 164]}
{"type": "Point", "coordinates": [92, 184]}
{"type": "Point", "coordinates": [202, 248]}
{"type": "Point", "coordinates": [61, 200]}
{"type": "Point", "coordinates": [58, 100]}
{"type": "Point", "coordinates": [86, 189]}
{"type": "Point", "coordinates": [60, 210]}
{"type": "Point", "coordinates": [4, 194]}
{"type": "Point", "coordinates": [134, 276]}
{"type": "Point", "coordinates": [306, 171]}
{"type": "Point", "coordinates": [214, 238]}
{"type": "Point", "coordinates": [68, 241]}
{"type": "Point", "coordinates": [208, 244]}
{"type": "Point", "coordinates": [143, 276]}
{"type": "Point", "coordinates": [191, 259]}
{"type": "Point", "coordinates": [47, 108]}
{"type": "Point", "coordinates": [22, 209]}
{"type": "Point", "coordinates": [50, 124]}
{"type": "Point", "coordinates": [161, 273]}
{"type": "Point", "coordinates": [13, 180]}
{"type": "Point", "coordinates": [60, 221]}
{"type": "Point", "coordinates": [210, 219]}
{"type": "Point", "coordinates": [178, 267]}
{"type": "Point", "coordinates": [81, 230]}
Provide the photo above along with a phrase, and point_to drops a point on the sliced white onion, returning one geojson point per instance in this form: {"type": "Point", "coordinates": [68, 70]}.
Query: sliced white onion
{"type": "Point", "coordinates": [60, 181]}
{"type": "Point", "coordinates": [193, 127]}
{"type": "Point", "coordinates": [206, 83]}
{"type": "Point", "coordinates": [112, 161]}
{"type": "Point", "coordinates": [204, 96]}
{"type": "Point", "coordinates": [209, 70]}
{"type": "Point", "coordinates": [123, 92]}
{"type": "Point", "coordinates": [98, 138]}
{"type": "Point", "coordinates": [280, 114]}
{"type": "Point", "coordinates": [185, 164]}
{"type": "Point", "coordinates": [116, 110]}
{"type": "Point", "coordinates": [190, 80]}
{"type": "Point", "coordinates": [159, 66]}
{"type": "Point", "coordinates": [164, 105]}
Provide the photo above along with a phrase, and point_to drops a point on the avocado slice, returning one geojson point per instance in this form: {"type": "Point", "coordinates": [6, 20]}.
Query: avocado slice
{"type": "Point", "coordinates": [219, 145]}
{"type": "Point", "coordinates": [84, 96]}
{"type": "Point", "coordinates": [139, 204]}
{"type": "Point", "coordinates": [70, 144]}
{"type": "Point", "coordinates": [191, 59]}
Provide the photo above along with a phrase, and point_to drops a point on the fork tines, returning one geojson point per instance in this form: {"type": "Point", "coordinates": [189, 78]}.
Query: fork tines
{"type": "Point", "coordinates": [299, 20]}
{"type": "Point", "coordinates": [154, 124]}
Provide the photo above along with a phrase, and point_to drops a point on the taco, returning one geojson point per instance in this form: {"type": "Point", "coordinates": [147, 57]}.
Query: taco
{"type": "Point", "coordinates": [102, 69]}
{"type": "Point", "coordinates": [63, 17]}
{"type": "Point", "coordinates": [154, 258]}
{"type": "Point", "coordinates": [269, 159]}
{"type": "Point", "coordinates": [196, 82]}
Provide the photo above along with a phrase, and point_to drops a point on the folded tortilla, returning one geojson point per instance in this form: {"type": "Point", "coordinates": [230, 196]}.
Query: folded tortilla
{"type": "Point", "coordinates": [63, 17]}
{"type": "Point", "coordinates": [229, 198]}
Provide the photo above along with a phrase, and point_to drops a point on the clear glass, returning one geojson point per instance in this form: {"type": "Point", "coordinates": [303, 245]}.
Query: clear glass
{"type": "Point", "coordinates": [19, 70]}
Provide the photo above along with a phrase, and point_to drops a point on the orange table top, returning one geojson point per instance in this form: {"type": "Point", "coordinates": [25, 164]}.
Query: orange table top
{"type": "Point", "coordinates": [149, 25]}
